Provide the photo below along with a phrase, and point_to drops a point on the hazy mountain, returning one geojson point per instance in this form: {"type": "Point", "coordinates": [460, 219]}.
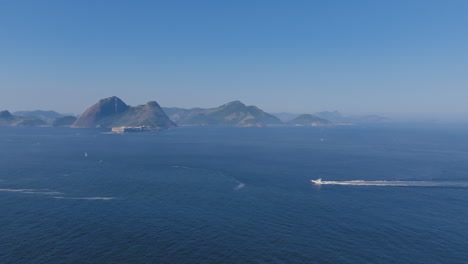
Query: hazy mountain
{"type": "Point", "coordinates": [337, 117]}
{"type": "Point", "coordinates": [308, 120]}
{"type": "Point", "coordinates": [47, 116]}
{"type": "Point", "coordinates": [113, 112]}
{"type": "Point", "coordinates": [7, 119]}
{"type": "Point", "coordinates": [176, 114]}
{"type": "Point", "coordinates": [285, 117]}
{"type": "Point", "coordinates": [369, 119]}
{"type": "Point", "coordinates": [64, 121]}
{"type": "Point", "coordinates": [334, 116]}
{"type": "Point", "coordinates": [230, 114]}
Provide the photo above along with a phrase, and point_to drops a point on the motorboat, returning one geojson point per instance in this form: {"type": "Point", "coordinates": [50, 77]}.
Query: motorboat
{"type": "Point", "coordinates": [317, 181]}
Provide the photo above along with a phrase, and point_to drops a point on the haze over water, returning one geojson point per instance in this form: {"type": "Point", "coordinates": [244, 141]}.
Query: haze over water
{"type": "Point", "coordinates": [233, 195]}
{"type": "Point", "coordinates": [401, 59]}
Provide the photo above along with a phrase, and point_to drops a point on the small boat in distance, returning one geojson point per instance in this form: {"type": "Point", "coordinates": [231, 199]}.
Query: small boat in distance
{"type": "Point", "coordinates": [85, 155]}
{"type": "Point", "coordinates": [317, 181]}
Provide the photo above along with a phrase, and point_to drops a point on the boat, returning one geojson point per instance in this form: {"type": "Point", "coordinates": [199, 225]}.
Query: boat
{"type": "Point", "coordinates": [85, 155]}
{"type": "Point", "coordinates": [317, 181]}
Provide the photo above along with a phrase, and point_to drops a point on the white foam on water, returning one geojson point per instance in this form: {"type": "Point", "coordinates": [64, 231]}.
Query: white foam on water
{"type": "Point", "coordinates": [32, 191]}
{"type": "Point", "coordinates": [85, 198]}
{"type": "Point", "coordinates": [52, 192]}
{"type": "Point", "coordinates": [43, 192]}
{"type": "Point", "coordinates": [397, 183]}
{"type": "Point", "coordinates": [16, 190]}
{"type": "Point", "coordinates": [240, 186]}
{"type": "Point", "coordinates": [181, 167]}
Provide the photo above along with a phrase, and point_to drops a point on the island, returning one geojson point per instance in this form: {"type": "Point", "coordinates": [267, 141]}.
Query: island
{"type": "Point", "coordinates": [113, 112]}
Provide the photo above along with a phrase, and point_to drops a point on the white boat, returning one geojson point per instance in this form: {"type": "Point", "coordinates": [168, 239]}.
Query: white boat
{"type": "Point", "coordinates": [317, 181]}
{"type": "Point", "coordinates": [85, 155]}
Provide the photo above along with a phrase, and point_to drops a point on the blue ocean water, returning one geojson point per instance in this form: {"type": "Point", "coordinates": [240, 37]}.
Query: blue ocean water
{"type": "Point", "coordinates": [233, 195]}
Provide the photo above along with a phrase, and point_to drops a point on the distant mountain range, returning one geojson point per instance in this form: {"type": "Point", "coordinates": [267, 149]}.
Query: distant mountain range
{"type": "Point", "coordinates": [47, 116]}
{"type": "Point", "coordinates": [308, 120]}
{"type": "Point", "coordinates": [230, 114]}
{"type": "Point", "coordinates": [113, 112]}
{"type": "Point", "coordinates": [7, 119]}
{"type": "Point", "coordinates": [285, 117]}
{"type": "Point", "coordinates": [64, 121]}
{"type": "Point", "coordinates": [337, 117]}
{"type": "Point", "coordinates": [334, 116]}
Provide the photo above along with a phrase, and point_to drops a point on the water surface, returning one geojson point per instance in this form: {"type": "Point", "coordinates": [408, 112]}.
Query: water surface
{"type": "Point", "coordinates": [234, 195]}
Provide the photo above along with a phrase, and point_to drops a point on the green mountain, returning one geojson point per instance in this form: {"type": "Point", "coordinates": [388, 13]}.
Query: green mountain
{"type": "Point", "coordinates": [308, 120]}
{"type": "Point", "coordinates": [113, 112]}
{"type": "Point", "coordinates": [178, 115]}
{"type": "Point", "coordinates": [230, 114]}
{"type": "Point", "coordinates": [285, 117]}
{"type": "Point", "coordinates": [64, 121]}
{"type": "Point", "coordinates": [7, 119]}
{"type": "Point", "coordinates": [47, 116]}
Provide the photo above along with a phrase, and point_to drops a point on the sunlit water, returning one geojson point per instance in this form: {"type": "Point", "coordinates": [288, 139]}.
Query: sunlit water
{"type": "Point", "coordinates": [234, 195]}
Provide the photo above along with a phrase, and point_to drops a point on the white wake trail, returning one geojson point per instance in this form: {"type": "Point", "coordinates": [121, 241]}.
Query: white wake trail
{"type": "Point", "coordinates": [85, 198]}
{"type": "Point", "coordinates": [239, 186]}
{"type": "Point", "coordinates": [395, 183]}
{"type": "Point", "coordinates": [32, 191]}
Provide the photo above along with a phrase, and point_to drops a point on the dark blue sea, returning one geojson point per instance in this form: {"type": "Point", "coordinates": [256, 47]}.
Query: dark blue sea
{"type": "Point", "coordinates": [234, 195]}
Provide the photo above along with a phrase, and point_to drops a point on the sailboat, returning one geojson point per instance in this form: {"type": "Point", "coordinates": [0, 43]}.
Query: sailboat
{"type": "Point", "coordinates": [85, 154]}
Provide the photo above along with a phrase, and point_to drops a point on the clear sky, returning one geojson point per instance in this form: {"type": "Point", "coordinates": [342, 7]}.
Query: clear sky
{"type": "Point", "coordinates": [355, 56]}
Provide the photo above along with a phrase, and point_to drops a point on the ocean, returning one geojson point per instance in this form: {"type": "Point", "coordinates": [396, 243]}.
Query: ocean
{"type": "Point", "coordinates": [235, 195]}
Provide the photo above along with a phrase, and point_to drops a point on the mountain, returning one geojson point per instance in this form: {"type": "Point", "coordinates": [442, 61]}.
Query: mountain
{"type": "Point", "coordinates": [7, 119]}
{"type": "Point", "coordinates": [285, 117]}
{"type": "Point", "coordinates": [308, 120]}
{"type": "Point", "coordinates": [113, 112]}
{"type": "Point", "coordinates": [47, 116]}
{"type": "Point", "coordinates": [177, 114]}
{"type": "Point", "coordinates": [231, 114]}
{"type": "Point", "coordinates": [6, 115]}
{"type": "Point", "coordinates": [337, 117]}
{"type": "Point", "coordinates": [149, 114]}
{"type": "Point", "coordinates": [64, 121]}
{"type": "Point", "coordinates": [370, 119]}
{"type": "Point", "coordinates": [334, 116]}
{"type": "Point", "coordinates": [102, 114]}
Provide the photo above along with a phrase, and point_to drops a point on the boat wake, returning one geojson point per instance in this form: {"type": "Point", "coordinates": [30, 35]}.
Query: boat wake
{"type": "Point", "coordinates": [32, 191]}
{"type": "Point", "coordinates": [53, 194]}
{"type": "Point", "coordinates": [240, 186]}
{"type": "Point", "coordinates": [85, 198]}
{"type": "Point", "coordinates": [181, 167]}
{"type": "Point", "coordinates": [394, 183]}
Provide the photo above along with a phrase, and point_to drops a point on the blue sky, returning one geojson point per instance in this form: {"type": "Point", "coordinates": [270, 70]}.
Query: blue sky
{"type": "Point", "coordinates": [298, 56]}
